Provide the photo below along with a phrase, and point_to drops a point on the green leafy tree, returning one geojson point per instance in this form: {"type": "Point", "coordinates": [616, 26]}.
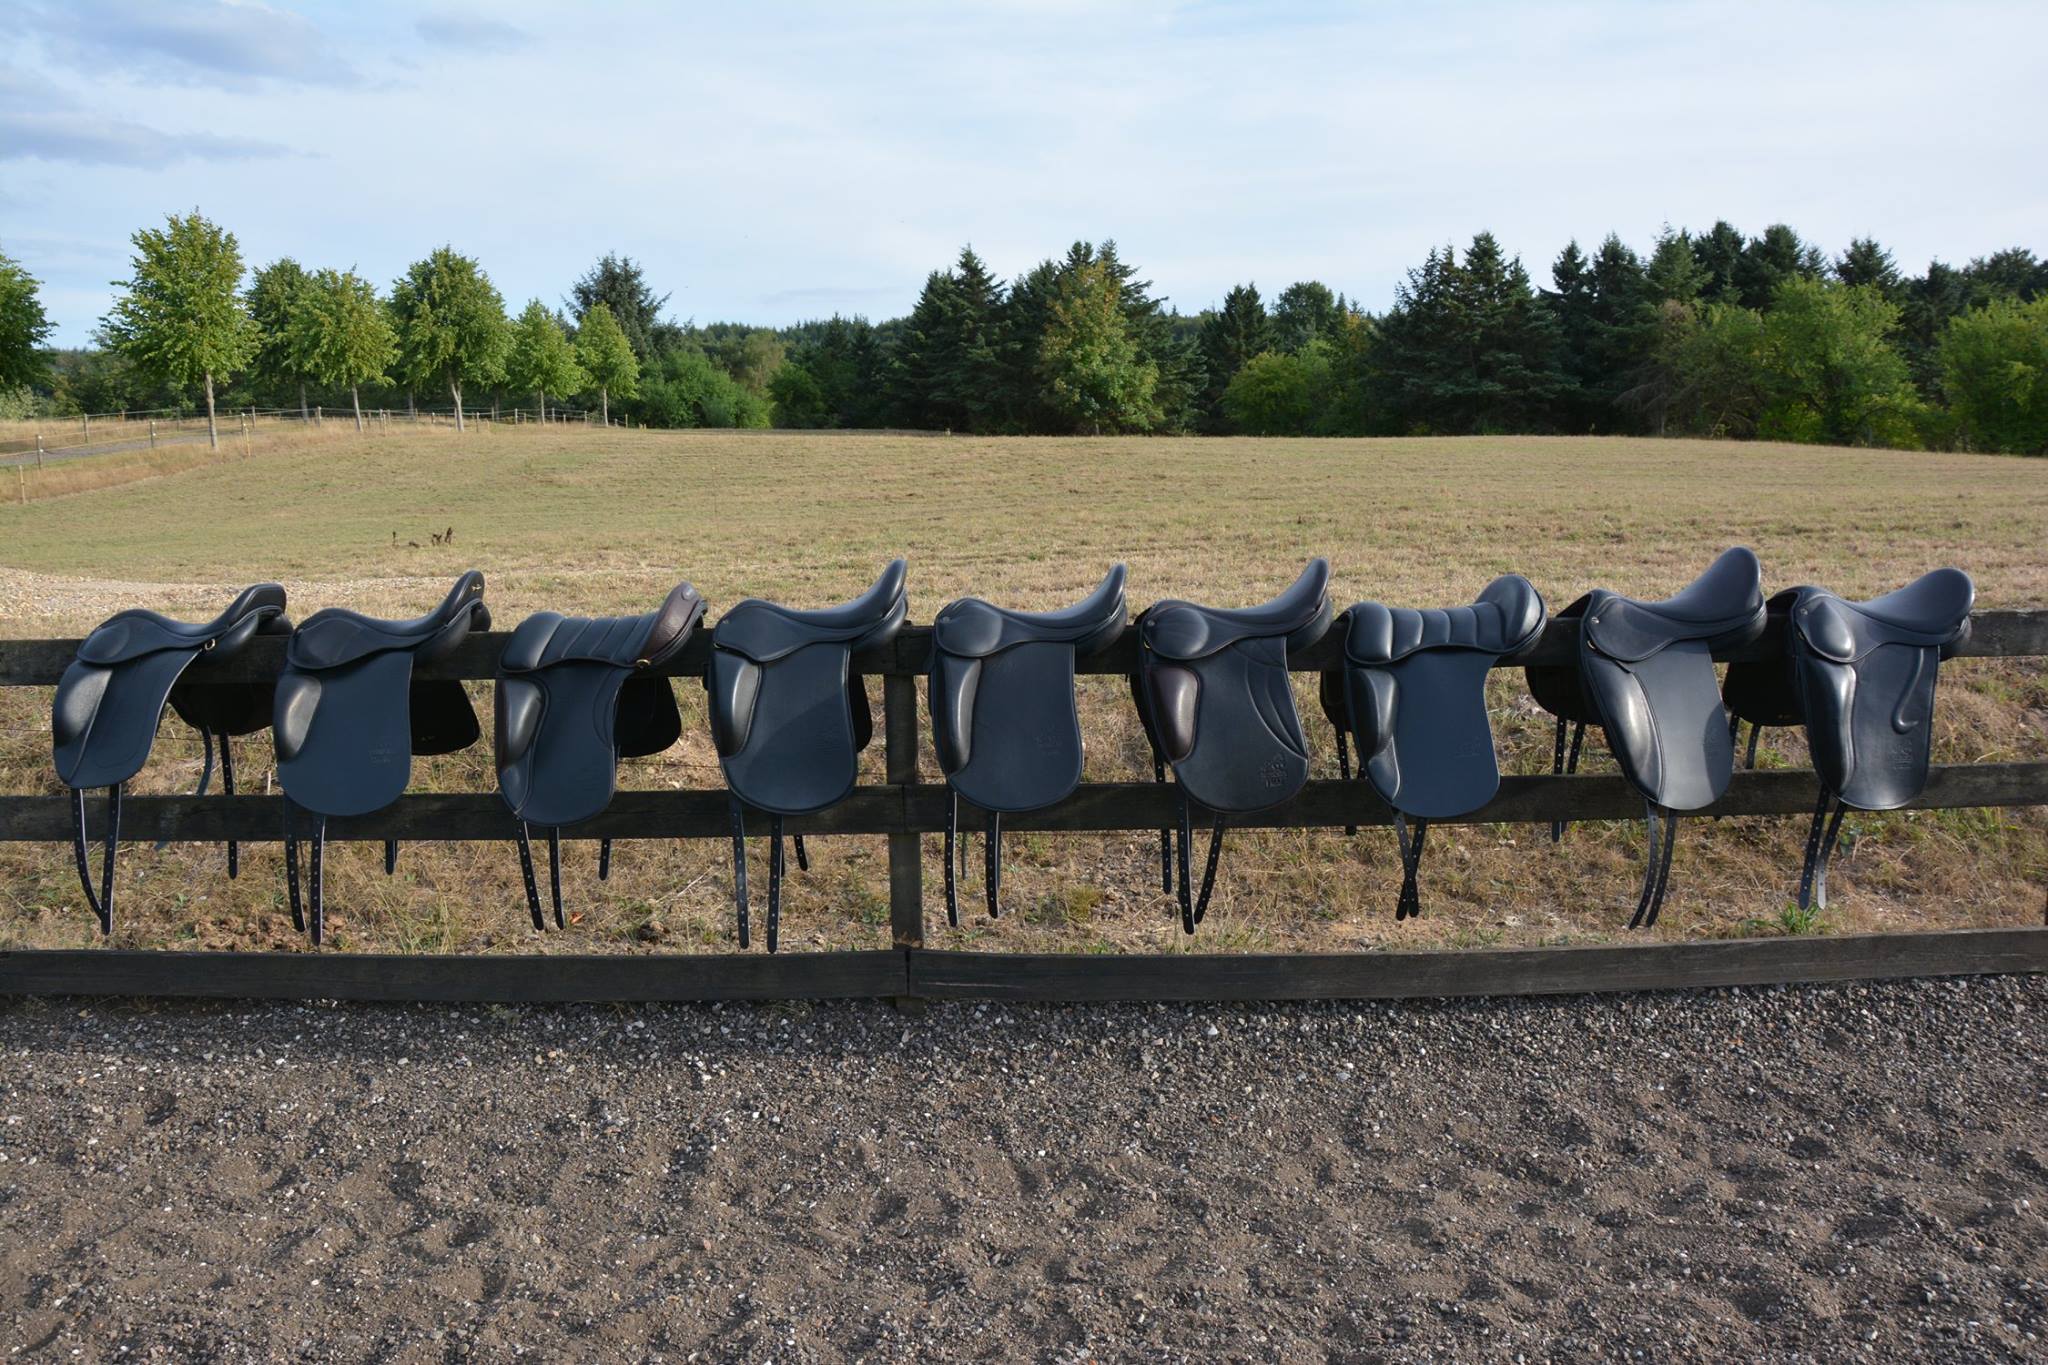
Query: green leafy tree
{"type": "Point", "coordinates": [1282, 393]}
{"type": "Point", "coordinates": [1094, 372]}
{"type": "Point", "coordinates": [541, 359]}
{"type": "Point", "coordinates": [340, 334]}
{"type": "Point", "coordinates": [607, 358]}
{"type": "Point", "coordinates": [451, 325]}
{"type": "Point", "coordinates": [1994, 372]}
{"type": "Point", "coordinates": [1834, 374]}
{"type": "Point", "coordinates": [838, 376]}
{"type": "Point", "coordinates": [1304, 312]}
{"type": "Point", "coordinates": [619, 284]}
{"type": "Point", "coordinates": [1722, 365]}
{"type": "Point", "coordinates": [24, 327]}
{"type": "Point", "coordinates": [179, 317]}
{"type": "Point", "coordinates": [273, 294]}
{"type": "Point", "coordinates": [799, 398]}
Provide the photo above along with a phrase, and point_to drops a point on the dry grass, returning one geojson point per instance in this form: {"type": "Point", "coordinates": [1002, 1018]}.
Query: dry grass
{"type": "Point", "coordinates": [607, 521]}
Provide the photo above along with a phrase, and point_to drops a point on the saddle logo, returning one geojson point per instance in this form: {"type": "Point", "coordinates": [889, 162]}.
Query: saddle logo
{"type": "Point", "coordinates": [1275, 772]}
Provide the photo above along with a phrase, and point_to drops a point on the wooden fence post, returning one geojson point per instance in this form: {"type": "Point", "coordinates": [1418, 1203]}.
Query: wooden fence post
{"type": "Point", "coordinates": [21, 484]}
{"type": "Point", "coordinates": [39, 447]}
{"type": "Point", "coordinates": [152, 433]}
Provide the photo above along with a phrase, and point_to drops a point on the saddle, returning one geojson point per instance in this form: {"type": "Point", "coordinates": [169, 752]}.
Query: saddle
{"type": "Point", "coordinates": [1003, 714]}
{"type": "Point", "coordinates": [1212, 690]}
{"type": "Point", "coordinates": [1645, 674]}
{"type": "Point", "coordinates": [573, 696]}
{"type": "Point", "coordinates": [111, 700]}
{"type": "Point", "coordinates": [1860, 677]}
{"type": "Point", "coordinates": [1412, 691]}
{"type": "Point", "coordinates": [349, 717]}
{"type": "Point", "coordinates": [789, 717]}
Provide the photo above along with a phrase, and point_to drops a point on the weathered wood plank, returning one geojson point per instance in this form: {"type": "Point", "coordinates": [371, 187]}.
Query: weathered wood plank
{"type": "Point", "coordinates": [921, 809]}
{"type": "Point", "coordinates": [1475, 972]}
{"type": "Point", "coordinates": [33, 663]}
{"type": "Point", "coordinates": [528, 979]}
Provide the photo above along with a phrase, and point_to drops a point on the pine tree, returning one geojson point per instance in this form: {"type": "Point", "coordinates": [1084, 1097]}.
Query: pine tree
{"type": "Point", "coordinates": [1719, 254]}
{"type": "Point", "coordinates": [619, 283]}
{"type": "Point", "coordinates": [180, 318]}
{"type": "Point", "coordinates": [1229, 338]}
{"type": "Point", "coordinates": [1674, 274]}
{"type": "Point", "coordinates": [607, 358]}
{"type": "Point", "coordinates": [1867, 263]}
{"type": "Point", "coordinates": [1621, 333]}
{"type": "Point", "coordinates": [917, 363]}
{"type": "Point", "coordinates": [340, 334]}
{"type": "Point", "coordinates": [1571, 304]}
{"type": "Point", "coordinates": [968, 364]}
{"type": "Point", "coordinates": [1770, 260]}
{"type": "Point", "coordinates": [541, 359]}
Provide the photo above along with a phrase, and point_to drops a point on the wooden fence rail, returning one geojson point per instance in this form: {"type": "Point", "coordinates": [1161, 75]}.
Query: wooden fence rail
{"type": "Point", "coordinates": [904, 809]}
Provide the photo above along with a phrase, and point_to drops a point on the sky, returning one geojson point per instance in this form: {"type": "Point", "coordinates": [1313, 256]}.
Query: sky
{"type": "Point", "coordinates": [769, 162]}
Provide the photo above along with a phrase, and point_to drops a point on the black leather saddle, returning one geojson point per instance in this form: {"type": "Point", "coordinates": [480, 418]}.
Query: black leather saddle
{"type": "Point", "coordinates": [1003, 714]}
{"type": "Point", "coordinates": [789, 716]}
{"type": "Point", "coordinates": [1860, 677]}
{"type": "Point", "coordinates": [111, 700]}
{"type": "Point", "coordinates": [1212, 690]}
{"type": "Point", "coordinates": [1412, 692]}
{"type": "Point", "coordinates": [350, 716]}
{"type": "Point", "coordinates": [574, 695]}
{"type": "Point", "coordinates": [1645, 674]}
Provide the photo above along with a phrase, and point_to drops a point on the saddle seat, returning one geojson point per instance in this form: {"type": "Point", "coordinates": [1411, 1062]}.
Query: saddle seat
{"type": "Point", "coordinates": [1933, 609]}
{"type": "Point", "coordinates": [767, 631]}
{"type": "Point", "coordinates": [335, 636]}
{"type": "Point", "coordinates": [1720, 605]}
{"type": "Point", "coordinates": [137, 632]}
{"type": "Point", "coordinates": [1184, 630]}
{"type": "Point", "coordinates": [973, 629]}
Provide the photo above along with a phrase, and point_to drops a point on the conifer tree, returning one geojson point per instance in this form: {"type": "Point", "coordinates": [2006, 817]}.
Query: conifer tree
{"type": "Point", "coordinates": [1230, 337]}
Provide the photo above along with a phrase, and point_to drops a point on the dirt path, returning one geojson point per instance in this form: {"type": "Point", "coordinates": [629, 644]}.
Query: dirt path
{"type": "Point", "coordinates": [1835, 1172]}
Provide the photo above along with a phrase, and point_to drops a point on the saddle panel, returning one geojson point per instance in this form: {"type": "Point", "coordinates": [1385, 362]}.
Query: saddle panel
{"type": "Point", "coordinates": [1024, 731]}
{"type": "Point", "coordinates": [1766, 691]}
{"type": "Point", "coordinates": [1665, 724]}
{"type": "Point", "coordinates": [794, 745]}
{"type": "Point", "coordinates": [105, 719]}
{"type": "Point", "coordinates": [971, 628]}
{"type": "Point", "coordinates": [344, 736]}
{"type": "Point", "coordinates": [1174, 629]}
{"type": "Point", "coordinates": [1559, 688]}
{"type": "Point", "coordinates": [767, 632]}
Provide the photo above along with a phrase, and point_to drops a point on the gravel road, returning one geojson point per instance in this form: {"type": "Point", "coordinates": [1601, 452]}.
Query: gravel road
{"type": "Point", "coordinates": [1836, 1172]}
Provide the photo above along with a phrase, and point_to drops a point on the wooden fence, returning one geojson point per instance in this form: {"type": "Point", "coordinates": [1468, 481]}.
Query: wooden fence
{"type": "Point", "coordinates": [904, 809]}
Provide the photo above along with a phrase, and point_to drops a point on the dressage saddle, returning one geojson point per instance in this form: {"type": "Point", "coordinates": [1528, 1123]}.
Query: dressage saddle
{"type": "Point", "coordinates": [1860, 677]}
{"type": "Point", "coordinates": [1003, 714]}
{"type": "Point", "coordinates": [1412, 692]}
{"type": "Point", "coordinates": [789, 716]}
{"type": "Point", "coordinates": [350, 716]}
{"type": "Point", "coordinates": [574, 695]}
{"type": "Point", "coordinates": [1212, 690]}
{"type": "Point", "coordinates": [1645, 674]}
{"type": "Point", "coordinates": [111, 700]}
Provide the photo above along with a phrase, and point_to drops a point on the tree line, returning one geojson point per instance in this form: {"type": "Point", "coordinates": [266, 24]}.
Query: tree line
{"type": "Point", "coordinates": [1712, 333]}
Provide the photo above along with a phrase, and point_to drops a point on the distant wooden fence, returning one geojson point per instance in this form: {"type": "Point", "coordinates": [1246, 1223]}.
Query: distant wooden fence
{"type": "Point", "coordinates": [905, 809]}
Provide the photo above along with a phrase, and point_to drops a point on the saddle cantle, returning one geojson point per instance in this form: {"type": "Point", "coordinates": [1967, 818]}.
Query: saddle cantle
{"type": "Point", "coordinates": [111, 700]}
{"type": "Point", "coordinates": [1860, 677]}
{"type": "Point", "coordinates": [573, 696]}
{"type": "Point", "coordinates": [350, 716]}
{"type": "Point", "coordinates": [1412, 691]}
{"type": "Point", "coordinates": [1212, 689]}
{"type": "Point", "coordinates": [1003, 714]}
{"type": "Point", "coordinates": [789, 717]}
{"type": "Point", "coordinates": [1645, 674]}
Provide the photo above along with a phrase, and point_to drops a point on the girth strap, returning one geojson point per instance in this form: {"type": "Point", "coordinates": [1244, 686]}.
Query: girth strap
{"type": "Point", "coordinates": [774, 879]}
{"type": "Point", "coordinates": [1564, 765]}
{"type": "Point", "coordinates": [1344, 765]}
{"type": "Point", "coordinates": [102, 900]}
{"type": "Point", "coordinates": [952, 839]}
{"type": "Point", "coordinates": [1749, 760]}
{"type": "Point", "coordinates": [1165, 835]}
{"type": "Point", "coordinates": [992, 856]}
{"type": "Point", "coordinates": [313, 915]}
{"type": "Point", "coordinates": [739, 865]}
{"type": "Point", "coordinates": [1656, 865]}
{"type": "Point", "coordinates": [390, 856]}
{"type": "Point", "coordinates": [1192, 908]}
{"type": "Point", "coordinates": [1410, 904]}
{"type": "Point", "coordinates": [1820, 846]}
{"type": "Point", "coordinates": [554, 875]}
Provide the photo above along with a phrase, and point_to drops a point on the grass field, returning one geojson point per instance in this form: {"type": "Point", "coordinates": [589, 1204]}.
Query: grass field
{"type": "Point", "coordinates": [607, 521]}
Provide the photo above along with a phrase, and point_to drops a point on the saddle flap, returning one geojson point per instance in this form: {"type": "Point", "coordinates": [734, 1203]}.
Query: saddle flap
{"type": "Point", "coordinates": [733, 683]}
{"type": "Point", "coordinates": [443, 720]}
{"type": "Point", "coordinates": [1664, 722]}
{"type": "Point", "coordinates": [104, 720]}
{"type": "Point", "coordinates": [1431, 751]}
{"type": "Point", "coordinates": [954, 682]}
{"type": "Point", "coordinates": [648, 719]}
{"type": "Point", "coordinates": [1021, 729]}
{"type": "Point", "coordinates": [789, 733]}
{"type": "Point", "coordinates": [1766, 691]}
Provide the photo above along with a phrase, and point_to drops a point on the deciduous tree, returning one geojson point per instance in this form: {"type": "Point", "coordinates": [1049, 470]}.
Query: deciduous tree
{"type": "Point", "coordinates": [619, 283]}
{"type": "Point", "coordinates": [1994, 372]}
{"type": "Point", "coordinates": [607, 358]}
{"type": "Point", "coordinates": [1093, 371]}
{"type": "Point", "coordinates": [451, 325]}
{"type": "Point", "coordinates": [179, 316]}
{"type": "Point", "coordinates": [340, 333]}
{"type": "Point", "coordinates": [273, 293]}
{"type": "Point", "coordinates": [541, 360]}
{"type": "Point", "coordinates": [24, 327]}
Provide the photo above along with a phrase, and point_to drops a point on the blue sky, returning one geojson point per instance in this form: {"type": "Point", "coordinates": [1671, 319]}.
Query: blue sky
{"type": "Point", "coordinates": [775, 162]}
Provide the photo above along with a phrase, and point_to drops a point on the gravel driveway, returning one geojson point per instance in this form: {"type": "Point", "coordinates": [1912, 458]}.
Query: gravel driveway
{"type": "Point", "coordinates": [1852, 1171]}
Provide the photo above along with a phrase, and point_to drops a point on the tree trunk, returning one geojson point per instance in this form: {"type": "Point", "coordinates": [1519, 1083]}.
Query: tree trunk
{"type": "Point", "coordinates": [455, 388]}
{"type": "Point", "coordinates": [304, 416]}
{"type": "Point", "coordinates": [212, 429]}
{"type": "Point", "coordinates": [356, 399]}
{"type": "Point", "coordinates": [410, 410]}
{"type": "Point", "coordinates": [604, 401]}
{"type": "Point", "coordinates": [540, 401]}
